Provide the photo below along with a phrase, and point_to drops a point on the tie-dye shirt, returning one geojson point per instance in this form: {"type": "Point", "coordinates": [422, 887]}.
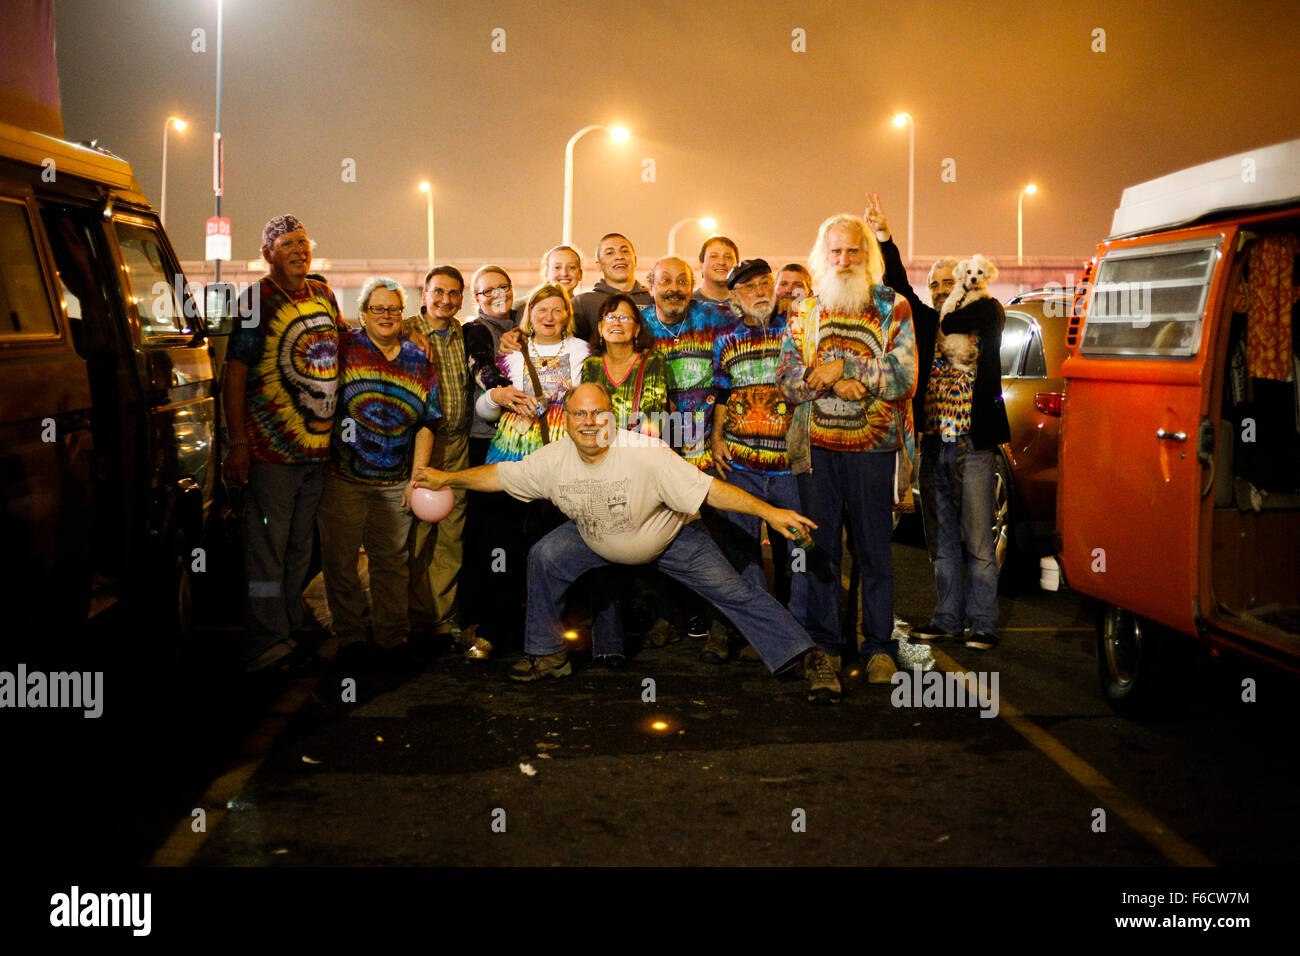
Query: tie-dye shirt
{"type": "Point", "coordinates": [291, 350]}
{"type": "Point", "coordinates": [688, 346]}
{"type": "Point", "coordinates": [559, 367]}
{"type": "Point", "coordinates": [758, 413]}
{"type": "Point", "coordinates": [382, 404]}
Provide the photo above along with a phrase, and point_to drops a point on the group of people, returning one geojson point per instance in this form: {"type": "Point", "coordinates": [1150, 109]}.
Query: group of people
{"type": "Point", "coordinates": [622, 449]}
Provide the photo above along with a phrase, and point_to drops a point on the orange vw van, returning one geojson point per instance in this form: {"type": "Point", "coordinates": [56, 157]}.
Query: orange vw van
{"type": "Point", "coordinates": [1179, 497]}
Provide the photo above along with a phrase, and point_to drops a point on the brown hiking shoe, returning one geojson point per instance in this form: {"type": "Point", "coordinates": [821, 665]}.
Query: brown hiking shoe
{"type": "Point", "coordinates": [661, 634]}
{"type": "Point", "coordinates": [823, 673]}
{"type": "Point", "coordinates": [715, 648]}
{"type": "Point", "coordinates": [749, 655]}
{"type": "Point", "coordinates": [537, 666]}
{"type": "Point", "coordinates": [880, 669]}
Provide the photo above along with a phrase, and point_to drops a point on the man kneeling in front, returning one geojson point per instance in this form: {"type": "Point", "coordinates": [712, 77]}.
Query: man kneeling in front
{"type": "Point", "coordinates": [632, 500]}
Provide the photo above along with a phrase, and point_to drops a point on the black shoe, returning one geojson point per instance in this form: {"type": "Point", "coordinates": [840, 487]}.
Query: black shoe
{"type": "Point", "coordinates": [398, 659]}
{"type": "Point", "coordinates": [697, 626]}
{"type": "Point", "coordinates": [616, 662]}
{"type": "Point", "coordinates": [982, 640]}
{"type": "Point", "coordinates": [931, 632]}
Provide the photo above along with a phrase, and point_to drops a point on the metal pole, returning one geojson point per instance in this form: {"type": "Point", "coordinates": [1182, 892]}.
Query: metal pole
{"type": "Point", "coordinates": [430, 198]}
{"type": "Point", "coordinates": [162, 210]}
{"type": "Point", "coordinates": [911, 184]}
{"type": "Point", "coordinates": [220, 181]}
{"type": "Point", "coordinates": [1020, 229]}
{"type": "Point", "coordinates": [568, 182]}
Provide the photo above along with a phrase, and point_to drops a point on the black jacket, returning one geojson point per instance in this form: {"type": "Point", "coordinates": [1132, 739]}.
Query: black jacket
{"type": "Point", "coordinates": [925, 325]}
{"type": "Point", "coordinates": [988, 413]}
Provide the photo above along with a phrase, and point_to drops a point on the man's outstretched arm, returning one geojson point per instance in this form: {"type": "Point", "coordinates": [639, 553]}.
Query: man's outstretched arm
{"type": "Point", "coordinates": [730, 498]}
{"type": "Point", "coordinates": [482, 478]}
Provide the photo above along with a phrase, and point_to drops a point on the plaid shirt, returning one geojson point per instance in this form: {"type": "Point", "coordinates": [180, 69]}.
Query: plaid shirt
{"type": "Point", "coordinates": [453, 371]}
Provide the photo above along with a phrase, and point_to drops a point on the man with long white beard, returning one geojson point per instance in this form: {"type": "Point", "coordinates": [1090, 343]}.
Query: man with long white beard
{"type": "Point", "coordinates": [849, 362]}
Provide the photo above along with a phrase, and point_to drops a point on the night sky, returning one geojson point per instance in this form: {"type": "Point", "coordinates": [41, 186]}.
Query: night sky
{"type": "Point", "coordinates": [767, 140]}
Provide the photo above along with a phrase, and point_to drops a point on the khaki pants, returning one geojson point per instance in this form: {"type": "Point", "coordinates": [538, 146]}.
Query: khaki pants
{"type": "Point", "coordinates": [436, 549]}
{"type": "Point", "coordinates": [350, 515]}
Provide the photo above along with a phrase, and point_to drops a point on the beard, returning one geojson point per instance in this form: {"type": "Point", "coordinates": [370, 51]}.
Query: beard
{"type": "Point", "coordinates": [761, 314]}
{"type": "Point", "coordinates": [845, 290]}
{"type": "Point", "coordinates": [673, 306]}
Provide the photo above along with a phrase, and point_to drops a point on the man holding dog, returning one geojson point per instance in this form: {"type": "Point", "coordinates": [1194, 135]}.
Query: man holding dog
{"type": "Point", "coordinates": [963, 421]}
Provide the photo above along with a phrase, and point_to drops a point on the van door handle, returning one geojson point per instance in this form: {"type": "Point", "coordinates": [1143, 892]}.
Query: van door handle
{"type": "Point", "coordinates": [1170, 436]}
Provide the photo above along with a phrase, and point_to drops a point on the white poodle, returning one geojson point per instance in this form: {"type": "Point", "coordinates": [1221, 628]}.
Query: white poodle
{"type": "Point", "coordinates": [970, 277]}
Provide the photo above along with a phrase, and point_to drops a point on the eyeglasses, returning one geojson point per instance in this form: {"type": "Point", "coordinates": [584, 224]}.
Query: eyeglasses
{"type": "Point", "coordinates": [585, 414]}
{"type": "Point", "coordinates": [495, 290]}
{"type": "Point", "coordinates": [615, 317]}
{"type": "Point", "coordinates": [381, 310]}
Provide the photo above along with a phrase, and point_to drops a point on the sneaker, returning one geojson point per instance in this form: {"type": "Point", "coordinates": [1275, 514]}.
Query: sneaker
{"type": "Point", "coordinates": [749, 655]}
{"type": "Point", "coordinates": [822, 671]}
{"type": "Point", "coordinates": [932, 632]}
{"type": "Point", "coordinates": [662, 634]}
{"type": "Point", "coordinates": [880, 669]}
{"type": "Point", "coordinates": [616, 662]}
{"type": "Point", "coordinates": [697, 626]}
{"type": "Point", "coordinates": [715, 648]}
{"type": "Point", "coordinates": [982, 640]}
{"type": "Point", "coordinates": [537, 666]}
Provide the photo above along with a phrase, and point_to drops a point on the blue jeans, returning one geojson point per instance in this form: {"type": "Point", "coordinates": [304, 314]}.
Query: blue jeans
{"type": "Point", "coordinates": [957, 502]}
{"type": "Point", "coordinates": [862, 482]}
{"type": "Point", "coordinates": [562, 557]}
{"type": "Point", "coordinates": [780, 491]}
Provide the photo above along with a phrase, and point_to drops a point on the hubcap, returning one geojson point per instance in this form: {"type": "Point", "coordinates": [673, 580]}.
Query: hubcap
{"type": "Point", "coordinates": [1122, 643]}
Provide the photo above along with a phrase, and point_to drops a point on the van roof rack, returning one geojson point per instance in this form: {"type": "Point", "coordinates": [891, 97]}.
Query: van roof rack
{"type": "Point", "coordinates": [1253, 180]}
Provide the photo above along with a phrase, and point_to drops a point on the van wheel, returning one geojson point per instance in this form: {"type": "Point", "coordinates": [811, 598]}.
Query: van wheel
{"type": "Point", "coordinates": [1130, 654]}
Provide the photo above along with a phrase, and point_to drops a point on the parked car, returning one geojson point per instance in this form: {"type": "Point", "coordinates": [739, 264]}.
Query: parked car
{"type": "Point", "coordinates": [1033, 348]}
{"type": "Point", "coordinates": [108, 418]}
{"type": "Point", "coordinates": [1179, 495]}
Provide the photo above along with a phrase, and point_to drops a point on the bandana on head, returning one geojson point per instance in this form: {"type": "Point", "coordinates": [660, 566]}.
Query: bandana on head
{"type": "Point", "coordinates": [277, 227]}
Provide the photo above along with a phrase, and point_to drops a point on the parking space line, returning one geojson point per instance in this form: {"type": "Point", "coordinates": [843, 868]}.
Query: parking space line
{"type": "Point", "coordinates": [1173, 847]}
{"type": "Point", "coordinates": [183, 844]}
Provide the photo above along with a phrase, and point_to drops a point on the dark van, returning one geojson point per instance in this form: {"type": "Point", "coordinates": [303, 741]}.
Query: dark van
{"type": "Point", "coordinates": [108, 444]}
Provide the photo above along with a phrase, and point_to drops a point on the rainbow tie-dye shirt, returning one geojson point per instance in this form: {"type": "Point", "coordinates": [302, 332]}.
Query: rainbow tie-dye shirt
{"type": "Point", "coordinates": [758, 413]}
{"type": "Point", "coordinates": [688, 347]}
{"type": "Point", "coordinates": [291, 348]}
{"type": "Point", "coordinates": [382, 404]}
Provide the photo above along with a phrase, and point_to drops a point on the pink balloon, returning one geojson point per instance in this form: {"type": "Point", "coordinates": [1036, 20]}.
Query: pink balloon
{"type": "Point", "coordinates": [430, 505]}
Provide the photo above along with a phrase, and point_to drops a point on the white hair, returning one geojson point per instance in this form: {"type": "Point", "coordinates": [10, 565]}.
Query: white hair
{"type": "Point", "coordinates": [874, 261]}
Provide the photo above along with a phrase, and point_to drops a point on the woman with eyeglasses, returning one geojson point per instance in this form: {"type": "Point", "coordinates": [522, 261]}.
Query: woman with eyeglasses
{"type": "Point", "coordinates": [625, 362]}
{"type": "Point", "coordinates": [383, 435]}
{"type": "Point", "coordinates": [529, 413]}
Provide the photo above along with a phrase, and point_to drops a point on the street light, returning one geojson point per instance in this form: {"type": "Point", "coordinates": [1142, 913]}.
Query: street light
{"type": "Point", "coordinates": [708, 225]}
{"type": "Point", "coordinates": [1020, 222]}
{"type": "Point", "coordinates": [618, 133]}
{"type": "Point", "coordinates": [180, 125]}
{"type": "Point", "coordinates": [427, 189]}
{"type": "Point", "coordinates": [901, 120]}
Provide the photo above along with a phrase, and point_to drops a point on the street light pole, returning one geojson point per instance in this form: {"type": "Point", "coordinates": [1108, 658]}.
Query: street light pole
{"type": "Point", "coordinates": [619, 133]}
{"type": "Point", "coordinates": [1020, 222]}
{"type": "Point", "coordinates": [427, 188]}
{"type": "Point", "coordinates": [708, 225]}
{"type": "Point", "coordinates": [218, 147]}
{"type": "Point", "coordinates": [899, 120]}
{"type": "Point", "coordinates": [180, 125]}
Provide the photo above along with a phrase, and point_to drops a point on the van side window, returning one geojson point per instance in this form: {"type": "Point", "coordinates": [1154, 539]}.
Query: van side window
{"type": "Point", "coordinates": [79, 255]}
{"type": "Point", "coordinates": [153, 283]}
{"type": "Point", "coordinates": [1035, 360]}
{"type": "Point", "coordinates": [1149, 301]}
{"type": "Point", "coordinates": [24, 301]}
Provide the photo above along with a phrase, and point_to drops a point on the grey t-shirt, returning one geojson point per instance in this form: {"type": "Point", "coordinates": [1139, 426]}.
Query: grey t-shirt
{"type": "Point", "coordinates": [628, 506]}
